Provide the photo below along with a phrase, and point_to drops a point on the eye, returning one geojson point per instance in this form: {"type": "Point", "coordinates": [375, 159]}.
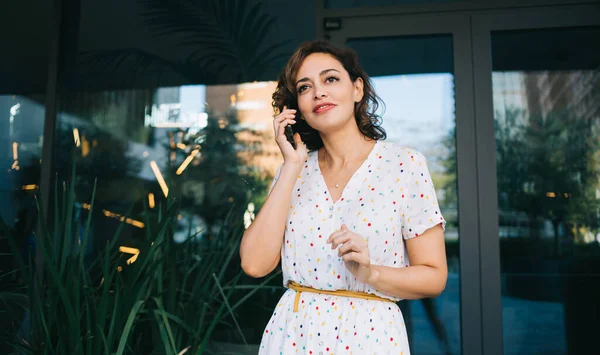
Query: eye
{"type": "Point", "coordinates": [331, 79]}
{"type": "Point", "coordinates": [302, 88]}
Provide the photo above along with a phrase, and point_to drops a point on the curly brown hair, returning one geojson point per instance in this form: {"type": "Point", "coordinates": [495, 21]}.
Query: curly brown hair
{"type": "Point", "coordinates": [365, 111]}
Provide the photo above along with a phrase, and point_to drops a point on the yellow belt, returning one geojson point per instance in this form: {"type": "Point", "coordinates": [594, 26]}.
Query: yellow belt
{"type": "Point", "coordinates": [343, 293]}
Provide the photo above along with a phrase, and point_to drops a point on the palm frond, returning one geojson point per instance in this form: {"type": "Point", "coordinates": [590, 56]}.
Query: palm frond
{"type": "Point", "coordinates": [228, 31]}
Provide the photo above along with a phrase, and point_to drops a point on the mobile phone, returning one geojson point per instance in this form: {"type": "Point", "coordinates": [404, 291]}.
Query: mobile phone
{"type": "Point", "coordinates": [289, 131]}
{"type": "Point", "coordinates": [289, 134]}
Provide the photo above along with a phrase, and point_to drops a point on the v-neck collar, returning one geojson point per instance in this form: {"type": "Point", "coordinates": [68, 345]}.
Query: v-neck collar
{"type": "Point", "coordinates": [352, 178]}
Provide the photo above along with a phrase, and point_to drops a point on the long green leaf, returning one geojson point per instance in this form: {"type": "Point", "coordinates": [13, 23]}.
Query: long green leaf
{"type": "Point", "coordinates": [180, 322]}
{"type": "Point", "coordinates": [41, 314]}
{"type": "Point", "coordinates": [68, 238]}
{"type": "Point", "coordinates": [88, 222]}
{"type": "Point", "coordinates": [230, 309]}
{"type": "Point", "coordinates": [57, 284]}
{"type": "Point", "coordinates": [114, 318]}
{"type": "Point", "coordinates": [163, 334]}
{"type": "Point", "coordinates": [104, 342]}
{"type": "Point", "coordinates": [56, 213]}
{"type": "Point", "coordinates": [163, 314]}
{"type": "Point", "coordinates": [128, 325]}
{"type": "Point", "coordinates": [255, 289]}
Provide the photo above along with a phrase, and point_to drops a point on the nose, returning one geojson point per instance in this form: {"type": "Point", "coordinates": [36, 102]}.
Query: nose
{"type": "Point", "coordinates": [320, 93]}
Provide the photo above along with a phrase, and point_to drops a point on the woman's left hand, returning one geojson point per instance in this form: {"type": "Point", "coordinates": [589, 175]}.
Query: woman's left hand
{"type": "Point", "coordinates": [354, 250]}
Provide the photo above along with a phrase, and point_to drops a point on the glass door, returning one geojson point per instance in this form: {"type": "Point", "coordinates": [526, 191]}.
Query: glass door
{"type": "Point", "coordinates": [538, 97]}
{"type": "Point", "coordinates": [420, 67]}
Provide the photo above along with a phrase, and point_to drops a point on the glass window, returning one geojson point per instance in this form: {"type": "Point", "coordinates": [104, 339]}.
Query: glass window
{"type": "Point", "coordinates": [547, 115]}
{"type": "Point", "coordinates": [413, 75]}
{"type": "Point", "coordinates": [173, 98]}
{"type": "Point", "coordinates": [210, 147]}
{"type": "Point", "coordinates": [21, 137]}
{"type": "Point", "coordinates": [24, 46]}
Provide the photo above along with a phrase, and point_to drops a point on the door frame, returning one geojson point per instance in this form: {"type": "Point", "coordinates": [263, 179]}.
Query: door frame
{"type": "Point", "coordinates": [458, 26]}
{"type": "Point", "coordinates": [483, 24]}
{"type": "Point", "coordinates": [471, 29]}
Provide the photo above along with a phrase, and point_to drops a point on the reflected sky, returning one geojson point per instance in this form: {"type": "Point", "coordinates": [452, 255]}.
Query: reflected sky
{"type": "Point", "coordinates": [419, 109]}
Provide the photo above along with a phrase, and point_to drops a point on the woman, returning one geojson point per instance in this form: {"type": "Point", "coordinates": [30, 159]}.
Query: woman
{"type": "Point", "coordinates": [343, 210]}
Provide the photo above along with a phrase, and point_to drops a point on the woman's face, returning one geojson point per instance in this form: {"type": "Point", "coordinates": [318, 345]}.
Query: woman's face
{"type": "Point", "coordinates": [326, 94]}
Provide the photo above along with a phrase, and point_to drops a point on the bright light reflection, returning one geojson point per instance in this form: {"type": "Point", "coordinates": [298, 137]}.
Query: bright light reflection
{"type": "Point", "coordinates": [151, 200]}
{"type": "Point", "coordinates": [76, 137]}
{"type": "Point", "coordinates": [187, 161]}
{"type": "Point", "coordinates": [159, 178]}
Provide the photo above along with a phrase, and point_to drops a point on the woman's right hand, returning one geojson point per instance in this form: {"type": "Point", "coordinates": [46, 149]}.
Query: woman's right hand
{"type": "Point", "coordinates": [290, 155]}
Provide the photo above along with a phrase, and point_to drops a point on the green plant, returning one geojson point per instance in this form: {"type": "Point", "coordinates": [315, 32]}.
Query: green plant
{"type": "Point", "coordinates": [167, 301]}
{"type": "Point", "coordinates": [225, 41]}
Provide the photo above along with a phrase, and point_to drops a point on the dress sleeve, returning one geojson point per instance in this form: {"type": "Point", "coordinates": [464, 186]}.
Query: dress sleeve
{"type": "Point", "coordinates": [420, 209]}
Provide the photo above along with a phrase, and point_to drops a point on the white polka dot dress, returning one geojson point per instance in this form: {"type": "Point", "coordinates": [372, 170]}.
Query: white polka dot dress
{"type": "Point", "coordinates": [390, 198]}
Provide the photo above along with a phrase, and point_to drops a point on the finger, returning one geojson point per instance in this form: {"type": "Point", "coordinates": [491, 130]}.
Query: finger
{"type": "Point", "coordinates": [344, 238]}
{"type": "Point", "coordinates": [298, 139]}
{"type": "Point", "coordinates": [278, 121]}
{"type": "Point", "coordinates": [303, 149]}
{"type": "Point", "coordinates": [333, 235]}
{"type": "Point", "coordinates": [352, 256]}
{"type": "Point", "coordinates": [336, 233]}
{"type": "Point", "coordinates": [300, 145]}
{"type": "Point", "coordinates": [348, 247]}
{"type": "Point", "coordinates": [283, 116]}
{"type": "Point", "coordinates": [280, 129]}
{"type": "Point", "coordinates": [286, 109]}
{"type": "Point", "coordinates": [282, 125]}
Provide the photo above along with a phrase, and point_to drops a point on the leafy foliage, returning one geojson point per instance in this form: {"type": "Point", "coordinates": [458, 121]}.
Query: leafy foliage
{"type": "Point", "coordinates": [223, 41]}
{"type": "Point", "coordinates": [168, 300]}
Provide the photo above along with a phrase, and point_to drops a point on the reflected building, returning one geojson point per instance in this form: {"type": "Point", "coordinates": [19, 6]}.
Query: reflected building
{"type": "Point", "coordinates": [510, 93]}
{"type": "Point", "coordinates": [189, 107]}
{"type": "Point", "coordinates": [255, 114]}
{"type": "Point", "coordinates": [544, 92]}
{"type": "Point", "coordinates": [555, 91]}
{"type": "Point", "coordinates": [251, 103]}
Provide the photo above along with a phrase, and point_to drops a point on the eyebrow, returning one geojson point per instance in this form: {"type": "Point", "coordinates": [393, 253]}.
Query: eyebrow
{"type": "Point", "coordinates": [320, 74]}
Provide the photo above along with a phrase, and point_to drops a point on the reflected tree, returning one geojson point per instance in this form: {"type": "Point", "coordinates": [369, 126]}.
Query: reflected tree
{"type": "Point", "coordinates": [219, 178]}
{"type": "Point", "coordinates": [449, 182]}
{"type": "Point", "coordinates": [548, 169]}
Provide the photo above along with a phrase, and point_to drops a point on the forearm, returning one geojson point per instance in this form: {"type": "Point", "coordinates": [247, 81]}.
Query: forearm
{"type": "Point", "coordinates": [261, 244]}
{"type": "Point", "coordinates": [413, 282]}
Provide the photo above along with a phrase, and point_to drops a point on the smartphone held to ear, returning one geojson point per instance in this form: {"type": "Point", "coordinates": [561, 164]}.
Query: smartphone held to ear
{"type": "Point", "coordinates": [289, 134]}
{"type": "Point", "coordinates": [289, 130]}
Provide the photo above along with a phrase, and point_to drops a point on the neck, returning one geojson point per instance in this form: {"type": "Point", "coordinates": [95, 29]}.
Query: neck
{"type": "Point", "coordinates": [345, 146]}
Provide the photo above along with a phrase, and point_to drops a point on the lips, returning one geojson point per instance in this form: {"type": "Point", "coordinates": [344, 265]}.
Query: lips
{"type": "Point", "coordinates": [323, 107]}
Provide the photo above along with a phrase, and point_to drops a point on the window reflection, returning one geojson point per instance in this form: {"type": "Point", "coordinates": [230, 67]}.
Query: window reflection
{"type": "Point", "coordinates": [413, 76]}
{"type": "Point", "coordinates": [419, 113]}
{"type": "Point", "coordinates": [547, 129]}
{"type": "Point", "coordinates": [209, 146]}
{"type": "Point", "coordinates": [21, 137]}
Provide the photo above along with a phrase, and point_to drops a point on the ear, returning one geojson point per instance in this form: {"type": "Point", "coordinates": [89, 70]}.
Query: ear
{"type": "Point", "coordinates": [358, 89]}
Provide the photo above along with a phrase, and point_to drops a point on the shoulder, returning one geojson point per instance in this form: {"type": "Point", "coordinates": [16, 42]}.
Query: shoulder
{"type": "Point", "coordinates": [402, 154]}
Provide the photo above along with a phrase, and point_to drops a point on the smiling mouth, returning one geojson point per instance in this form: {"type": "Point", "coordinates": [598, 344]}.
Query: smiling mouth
{"type": "Point", "coordinates": [323, 108]}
